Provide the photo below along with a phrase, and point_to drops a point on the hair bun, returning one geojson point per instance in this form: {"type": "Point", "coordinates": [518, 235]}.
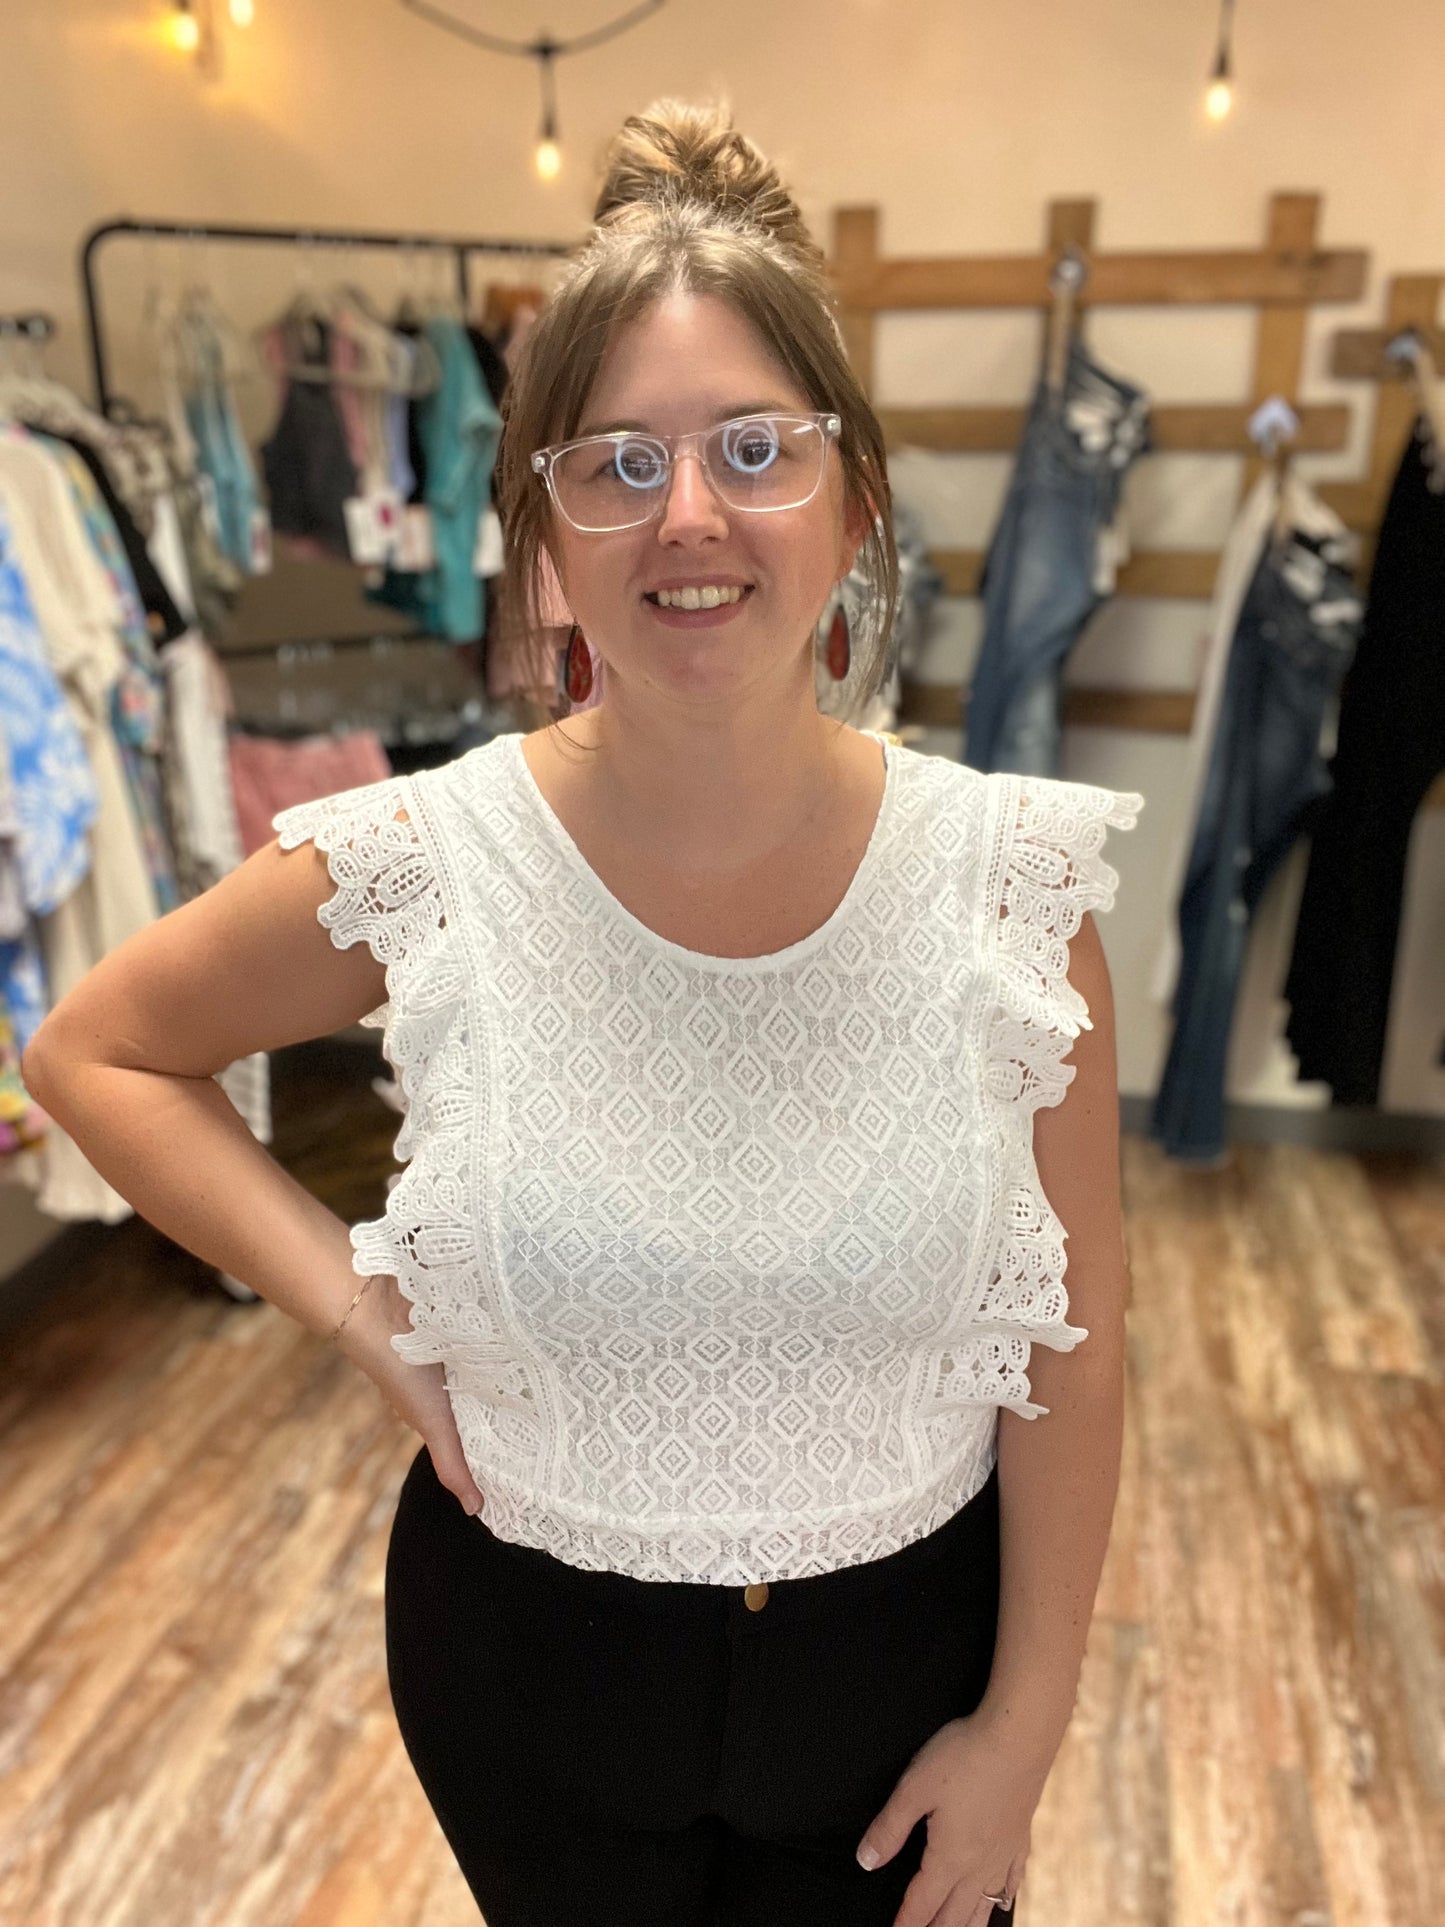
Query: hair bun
{"type": "Point", "coordinates": [676, 153]}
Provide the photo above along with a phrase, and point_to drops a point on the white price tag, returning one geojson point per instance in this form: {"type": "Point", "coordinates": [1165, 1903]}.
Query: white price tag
{"type": "Point", "coordinates": [363, 537]}
{"type": "Point", "coordinates": [416, 544]}
{"type": "Point", "coordinates": [487, 560]}
{"type": "Point", "coordinates": [260, 542]}
{"type": "Point", "coordinates": [386, 511]}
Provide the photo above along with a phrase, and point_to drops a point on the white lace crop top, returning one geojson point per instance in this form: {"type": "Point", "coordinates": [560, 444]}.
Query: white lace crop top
{"type": "Point", "coordinates": [731, 1262]}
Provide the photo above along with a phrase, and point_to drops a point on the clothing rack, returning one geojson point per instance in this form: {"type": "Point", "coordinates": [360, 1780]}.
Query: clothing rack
{"type": "Point", "coordinates": [299, 651]}
{"type": "Point", "coordinates": [307, 647]}
{"type": "Point", "coordinates": [460, 247]}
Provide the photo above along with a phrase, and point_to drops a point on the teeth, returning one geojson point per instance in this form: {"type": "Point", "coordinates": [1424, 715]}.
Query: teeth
{"type": "Point", "coordinates": [690, 598]}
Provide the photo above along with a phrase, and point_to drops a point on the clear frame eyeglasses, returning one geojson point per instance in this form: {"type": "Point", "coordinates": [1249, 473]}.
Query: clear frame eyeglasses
{"type": "Point", "coordinates": [755, 463]}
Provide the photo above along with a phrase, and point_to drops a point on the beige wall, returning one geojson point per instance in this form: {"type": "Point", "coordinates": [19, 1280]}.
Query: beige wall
{"type": "Point", "coordinates": [959, 120]}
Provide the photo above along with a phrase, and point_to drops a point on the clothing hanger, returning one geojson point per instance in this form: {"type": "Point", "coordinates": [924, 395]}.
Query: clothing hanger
{"type": "Point", "coordinates": [29, 393]}
{"type": "Point", "coordinates": [441, 302]}
{"type": "Point", "coordinates": [1410, 350]}
{"type": "Point", "coordinates": [408, 307]}
{"type": "Point", "coordinates": [1070, 273]}
{"type": "Point", "coordinates": [1274, 427]}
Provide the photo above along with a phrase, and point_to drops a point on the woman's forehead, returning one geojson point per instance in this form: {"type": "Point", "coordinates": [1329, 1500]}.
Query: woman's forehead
{"type": "Point", "coordinates": [692, 356]}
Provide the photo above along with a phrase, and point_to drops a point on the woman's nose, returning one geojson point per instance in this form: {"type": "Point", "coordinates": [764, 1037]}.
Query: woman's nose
{"type": "Point", "coordinates": [691, 506]}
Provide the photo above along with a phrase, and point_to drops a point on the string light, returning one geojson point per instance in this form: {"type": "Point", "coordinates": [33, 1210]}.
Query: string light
{"type": "Point", "coordinates": [183, 28]}
{"type": "Point", "coordinates": [1219, 95]}
{"type": "Point", "coordinates": [243, 12]}
{"type": "Point", "coordinates": [549, 154]}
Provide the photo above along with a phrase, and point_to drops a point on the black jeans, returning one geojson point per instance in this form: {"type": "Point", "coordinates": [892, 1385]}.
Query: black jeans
{"type": "Point", "coordinates": [603, 1751]}
{"type": "Point", "coordinates": [1390, 747]}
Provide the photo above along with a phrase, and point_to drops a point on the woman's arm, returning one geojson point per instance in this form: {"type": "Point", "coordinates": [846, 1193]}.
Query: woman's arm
{"type": "Point", "coordinates": [1059, 1473]}
{"type": "Point", "coordinates": [125, 1064]}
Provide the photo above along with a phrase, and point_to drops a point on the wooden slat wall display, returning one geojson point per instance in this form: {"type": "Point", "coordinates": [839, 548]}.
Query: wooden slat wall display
{"type": "Point", "coordinates": [1155, 712]}
{"type": "Point", "coordinates": [1284, 278]}
{"type": "Point", "coordinates": [1280, 331]}
{"type": "Point", "coordinates": [1194, 428]}
{"type": "Point", "coordinates": [1155, 572]}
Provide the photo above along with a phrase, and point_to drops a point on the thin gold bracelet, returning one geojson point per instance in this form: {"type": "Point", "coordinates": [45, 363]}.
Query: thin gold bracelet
{"type": "Point", "coordinates": [354, 1303]}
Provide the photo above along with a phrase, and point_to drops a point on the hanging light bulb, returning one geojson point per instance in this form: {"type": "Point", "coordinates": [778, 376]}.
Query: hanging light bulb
{"type": "Point", "coordinates": [243, 12]}
{"type": "Point", "coordinates": [549, 154]}
{"type": "Point", "coordinates": [182, 27]}
{"type": "Point", "coordinates": [1219, 95]}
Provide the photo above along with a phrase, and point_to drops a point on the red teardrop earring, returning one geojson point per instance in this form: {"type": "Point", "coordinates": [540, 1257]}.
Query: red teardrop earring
{"type": "Point", "coordinates": [839, 651]}
{"type": "Point", "coordinates": [579, 666]}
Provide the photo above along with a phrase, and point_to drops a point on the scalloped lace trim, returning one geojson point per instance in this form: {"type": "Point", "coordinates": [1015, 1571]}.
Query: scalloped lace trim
{"type": "Point", "coordinates": [1049, 872]}
{"type": "Point", "coordinates": [388, 896]}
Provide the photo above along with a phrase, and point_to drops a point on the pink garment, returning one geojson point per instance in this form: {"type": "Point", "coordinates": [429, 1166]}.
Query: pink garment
{"type": "Point", "coordinates": [268, 775]}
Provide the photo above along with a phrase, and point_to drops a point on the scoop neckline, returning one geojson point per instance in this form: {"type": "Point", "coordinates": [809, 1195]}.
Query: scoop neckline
{"type": "Point", "coordinates": [705, 959]}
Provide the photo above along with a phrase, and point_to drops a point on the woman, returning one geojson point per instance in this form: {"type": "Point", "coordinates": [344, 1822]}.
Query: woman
{"type": "Point", "coordinates": [733, 1548]}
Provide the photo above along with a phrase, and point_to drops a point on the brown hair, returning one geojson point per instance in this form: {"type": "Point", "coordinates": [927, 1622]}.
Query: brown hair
{"type": "Point", "coordinates": [687, 206]}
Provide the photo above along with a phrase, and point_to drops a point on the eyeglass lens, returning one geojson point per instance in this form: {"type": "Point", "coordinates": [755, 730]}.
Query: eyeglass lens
{"type": "Point", "coordinates": [760, 463]}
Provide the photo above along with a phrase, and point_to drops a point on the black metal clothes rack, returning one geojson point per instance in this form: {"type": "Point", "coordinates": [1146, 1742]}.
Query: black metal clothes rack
{"type": "Point", "coordinates": [460, 247]}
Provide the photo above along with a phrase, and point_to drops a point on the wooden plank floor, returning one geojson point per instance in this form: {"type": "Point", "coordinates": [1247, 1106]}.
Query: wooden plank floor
{"type": "Point", "coordinates": [195, 1499]}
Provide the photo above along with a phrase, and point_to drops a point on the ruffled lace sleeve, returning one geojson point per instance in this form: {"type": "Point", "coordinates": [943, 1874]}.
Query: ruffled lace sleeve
{"type": "Point", "coordinates": [386, 891]}
{"type": "Point", "coordinates": [1047, 871]}
{"type": "Point", "coordinates": [381, 843]}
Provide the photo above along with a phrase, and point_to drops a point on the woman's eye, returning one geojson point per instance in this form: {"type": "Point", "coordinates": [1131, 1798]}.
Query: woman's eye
{"type": "Point", "coordinates": [752, 447]}
{"type": "Point", "coordinates": [637, 465]}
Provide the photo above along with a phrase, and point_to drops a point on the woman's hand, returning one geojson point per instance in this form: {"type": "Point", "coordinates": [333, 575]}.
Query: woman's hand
{"type": "Point", "coordinates": [980, 1799]}
{"type": "Point", "coordinates": [416, 1393]}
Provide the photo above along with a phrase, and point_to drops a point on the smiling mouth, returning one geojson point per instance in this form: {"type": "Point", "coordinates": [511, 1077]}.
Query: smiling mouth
{"type": "Point", "coordinates": [709, 598]}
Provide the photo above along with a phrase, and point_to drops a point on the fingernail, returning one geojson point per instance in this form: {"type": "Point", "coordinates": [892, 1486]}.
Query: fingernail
{"type": "Point", "coordinates": [868, 1858]}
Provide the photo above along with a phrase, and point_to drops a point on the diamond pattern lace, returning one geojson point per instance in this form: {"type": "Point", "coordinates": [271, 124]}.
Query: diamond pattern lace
{"type": "Point", "coordinates": [731, 1263]}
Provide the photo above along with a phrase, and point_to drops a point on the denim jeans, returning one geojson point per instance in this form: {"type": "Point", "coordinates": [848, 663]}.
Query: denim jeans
{"type": "Point", "coordinates": [1044, 575]}
{"type": "Point", "coordinates": [1265, 784]}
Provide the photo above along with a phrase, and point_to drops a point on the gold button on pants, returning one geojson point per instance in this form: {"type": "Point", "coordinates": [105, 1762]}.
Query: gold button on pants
{"type": "Point", "coordinates": [755, 1597]}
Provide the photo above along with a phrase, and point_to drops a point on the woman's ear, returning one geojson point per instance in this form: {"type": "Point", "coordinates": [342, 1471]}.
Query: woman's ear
{"type": "Point", "coordinates": [556, 613]}
{"type": "Point", "coordinates": [856, 524]}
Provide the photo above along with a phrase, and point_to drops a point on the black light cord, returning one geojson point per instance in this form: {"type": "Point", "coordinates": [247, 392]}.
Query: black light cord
{"type": "Point", "coordinates": [1222, 66]}
{"type": "Point", "coordinates": [544, 50]}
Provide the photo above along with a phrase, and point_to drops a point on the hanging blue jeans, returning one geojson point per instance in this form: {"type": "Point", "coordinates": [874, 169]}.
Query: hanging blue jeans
{"type": "Point", "coordinates": [1041, 579]}
{"type": "Point", "coordinates": [1265, 785]}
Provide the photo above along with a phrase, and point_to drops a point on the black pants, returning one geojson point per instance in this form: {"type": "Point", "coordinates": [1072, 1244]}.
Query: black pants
{"type": "Point", "coordinates": [603, 1751]}
{"type": "Point", "coordinates": [1390, 747]}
